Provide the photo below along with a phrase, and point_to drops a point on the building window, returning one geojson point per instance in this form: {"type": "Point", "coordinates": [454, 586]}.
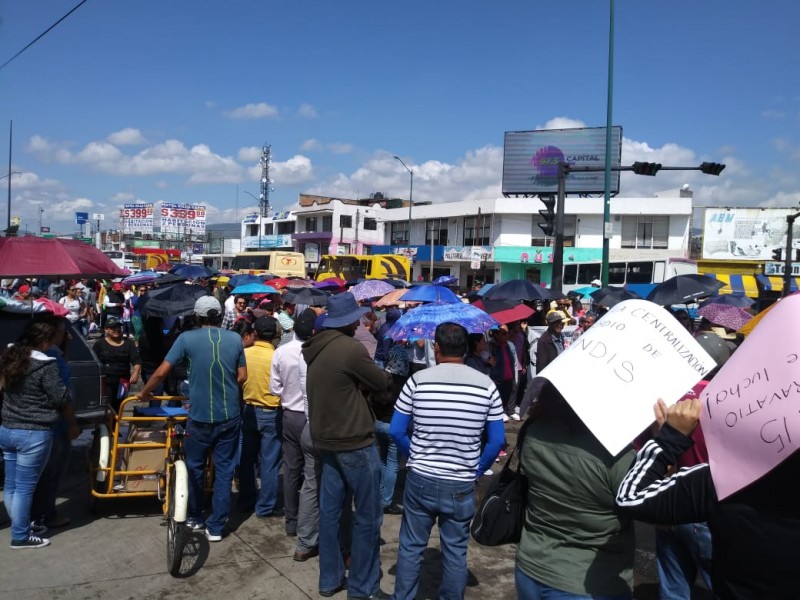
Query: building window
{"type": "Point", "coordinates": [645, 231]}
{"type": "Point", "coordinates": [400, 233]}
{"type": "Point", "coordinates": [268, 229]}
{"type": "Point", "coordinates": [346, 221]}
{"type": "Point", "coordinates": [286, 227]}
{"type": "Point", "coordinates": [436, 229]}
{"type": "Point", "coordinates": [311, 224]}
{"type": "Point", "coordinates": [476, 230]}
{"type": "Point", "coordinates": [327, 223]}
{"type": "Point", "coordinates": [370, 224]}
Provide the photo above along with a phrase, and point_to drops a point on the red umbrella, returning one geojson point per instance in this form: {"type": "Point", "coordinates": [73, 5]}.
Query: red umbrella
{"type": "Point", "coordinates": [504, 312]}
{"type": "Point", "coordinates": [278, 283]}
{"type": "Point", "coordinates": [54, 257]}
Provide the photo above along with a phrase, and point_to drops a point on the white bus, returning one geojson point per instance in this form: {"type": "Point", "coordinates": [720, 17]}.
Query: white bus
{"type": "Point", "coordinates": [632, 271]}
{"type": "Point", "coordinates": [124, 260]}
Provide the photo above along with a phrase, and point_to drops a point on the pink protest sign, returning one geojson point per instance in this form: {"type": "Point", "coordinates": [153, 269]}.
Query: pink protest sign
{"type": "Point", "coordinates": [751, 409]}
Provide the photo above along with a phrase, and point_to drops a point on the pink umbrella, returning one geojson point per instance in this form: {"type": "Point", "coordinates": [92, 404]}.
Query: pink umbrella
{"type": "Point", "coordinates": [731, 317]}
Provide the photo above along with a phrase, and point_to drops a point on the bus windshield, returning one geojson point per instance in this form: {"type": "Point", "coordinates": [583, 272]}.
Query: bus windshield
{"type": "Point", "coordinates": [256, 262]}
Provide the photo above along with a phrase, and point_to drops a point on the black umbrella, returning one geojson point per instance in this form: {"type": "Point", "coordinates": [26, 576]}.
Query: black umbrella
{"type": "Point", "coordinates": [517, 289]}
{"type": "Point", "coordinates": [398, 283]}
{"type": "Point", "coordinates": [609, 296]}
{"type": "Point", "coordinates": [307, 296]}
{"type": "Point", "coordinates": [168, 279]}
{"type": "Point", "coordinates": [171, 301]}
{"type": "Point", "coordinates": [730, 300]}
{"type": "Point", "coordinates": [683, 289]}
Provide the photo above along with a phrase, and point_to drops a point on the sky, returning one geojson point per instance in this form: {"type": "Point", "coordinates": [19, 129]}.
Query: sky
{"type": "Point", "coordinates": [148, 101]}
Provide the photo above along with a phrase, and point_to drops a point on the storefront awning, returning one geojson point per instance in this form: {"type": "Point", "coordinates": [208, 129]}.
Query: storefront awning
{"type": "Point", "coordinates": [774, 283]}
{"type": "Point", "coordinates": [744, 285]}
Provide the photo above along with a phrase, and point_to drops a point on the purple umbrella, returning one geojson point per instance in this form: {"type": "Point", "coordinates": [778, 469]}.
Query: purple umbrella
{"type": "Point", "coordinates": [420, 323]}
{"type": "Point", "coordinates": [372, 288]}
{"type": "Point", "coordinates": [731, 317]}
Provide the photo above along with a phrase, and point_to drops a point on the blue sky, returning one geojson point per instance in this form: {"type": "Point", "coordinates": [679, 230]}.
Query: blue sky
{"type": "Point", "coordinates": [151, 100]}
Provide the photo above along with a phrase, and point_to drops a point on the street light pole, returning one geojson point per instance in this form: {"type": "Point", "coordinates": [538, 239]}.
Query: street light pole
{"type": "Point", "coordinates": [410, 198]}
{"type": "Point", "coordinates": [607, 234]}
{"type": "Point", "coordinates": [10, 137]}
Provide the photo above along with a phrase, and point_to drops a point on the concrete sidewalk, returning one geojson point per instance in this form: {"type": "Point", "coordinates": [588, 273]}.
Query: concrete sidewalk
{"type": "Point", "coordinates": [121, 553]}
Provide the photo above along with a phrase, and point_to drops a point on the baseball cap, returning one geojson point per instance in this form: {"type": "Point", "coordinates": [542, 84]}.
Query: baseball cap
{"type": "Point", "coordinates": [116, 287]}
{"type": "Point", "coordinates": [24, 289]}
{"type": "Point", "coordinates": [266, 327]}
{"type": "Point", "coordinates": [112, 323]}
{"type": "Point", "coordinates": [205, 304]}
{"type": "Point", "coordinates": [304, 324]}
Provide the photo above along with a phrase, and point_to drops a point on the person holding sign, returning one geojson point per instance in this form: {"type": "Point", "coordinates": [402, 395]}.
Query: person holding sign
{"type": "Point", "coordinates": [755, 532]}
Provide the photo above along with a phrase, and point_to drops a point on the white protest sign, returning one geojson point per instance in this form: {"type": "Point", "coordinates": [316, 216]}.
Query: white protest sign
{"type": "Point", "coordinates": [614, 373]}
{"type": "Point", "coordinates": [751, 421]}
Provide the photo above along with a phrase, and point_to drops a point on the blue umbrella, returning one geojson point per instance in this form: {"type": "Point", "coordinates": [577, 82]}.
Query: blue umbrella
{"type": "Point", "coordinates": [141, 278]}
{"type": "Point", "coordinates": [730, 300]}
{"type": "Point", "coordinates": [371, 288]}
{"type": "Point", "coordinates": [237, 280]}
{"type": "Point", "coordinates": [585, 291]}
{"type": "Point", "coordinates": [254, 288]}
{"type": "Point", "coordinates": [192, 271]}
{"type": "Point", "coordinates": [431, 293]}
{"type": "Point", "coordinates": [485, 288]}
{"type": "Point", "coordinates": [445, 280]}
{"type": "Point", "coordinates": [421, 322]}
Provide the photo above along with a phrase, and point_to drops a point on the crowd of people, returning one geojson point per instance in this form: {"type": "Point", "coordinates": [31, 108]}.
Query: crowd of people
{"type": "Point", "coordinates": [322, 397]}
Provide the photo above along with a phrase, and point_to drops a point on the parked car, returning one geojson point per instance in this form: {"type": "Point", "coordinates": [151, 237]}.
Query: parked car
{"type": "Point", "coordinates": [87, 371]}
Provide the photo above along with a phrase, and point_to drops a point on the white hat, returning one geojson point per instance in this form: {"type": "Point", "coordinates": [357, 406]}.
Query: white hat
{"type": "Point", "coordinates": [597, 283]}
{"type": "Point", "coordinates": [205, 304]}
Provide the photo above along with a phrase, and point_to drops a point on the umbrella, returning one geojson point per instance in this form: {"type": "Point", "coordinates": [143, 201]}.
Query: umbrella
{"type": "Point", "coordinates": [682, 289]}
{"type": "Point", "coordinates": [610, 295]}
{"type": "Point", "coordinates": [238, 280]}
{"type": "Point", "coordinates": [431, 293]}
{"type": "Point", "coordinates": [295, 282]}
{"type": "Point", "coordinates": [54, 258]}
{"type": "Point", "coordinates": [40, 305]}
{"type": "Point", "coordinates": [730, 300]}
{"type": "Point", "coordinates": [168, 279]}
{"type": "Point", "coordinates": [445, 280]}
{"type": "Point", "coordinates": [485, 288]}
{"type": "Point", "coordinates": [505, 311]}
{"type": "Point", "coordinates": [192, 271]}
{"type": "Point", "coordinates": [162, 268]}
{"type": "Point", "coordinates": [141, 278]}
{"type": "Point", "coordinates": [584, 291]}
{"type": "Point", "coordinates": [254, 288]}
{"type": "Point", "coordinates": [278, 283]}
{"type": "Point", "coordinates": [392, 298]}
{"type": "Point", "coordinates": [372, 288]}
{"type": "Point", "coordinates": [171, 301]}
{"type": "Point", "coordinates": [398, 283]}
{"type": "Point", "coordinates": [307, 296]}
{"type": "Point", "coordinates": [517, 289]}
{"type": "Point", "coordinates": [421, 322]}
{"type": "Point", "coordinates": [731, 317]}
{"type": "Point", "coordinates": [331, 282]}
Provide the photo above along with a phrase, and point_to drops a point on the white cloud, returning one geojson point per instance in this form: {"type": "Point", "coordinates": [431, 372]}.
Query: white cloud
{"type": "Point", "coordinates": [562, 123]}
{"type": "Point", "coordinates": [127, 137]}
{"type": "Point", "coordinates": [249, 154]}
{"type": "Point", "coordinates": [340, 148]}
{"type": "Point", "coordinates": [310, 144]}
{"type": "Point", "coordinates": [261, 110]}
{"type": "Point", "coordinates": [307, 111]}
{"type": "Point", "coordinates": [296, 170]}
{"type": "Point", "coordinates": [773, 114]}
{"type": "Point", "coordinates": [123, 198]}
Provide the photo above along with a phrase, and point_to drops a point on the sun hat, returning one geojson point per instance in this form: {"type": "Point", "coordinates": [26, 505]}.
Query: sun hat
{"type": "Point", "coordinates": [343, 310]}
{"type": "Point", "coordinates": [554, 317]}
{"type": "Point", "coordinates": [205, 304]}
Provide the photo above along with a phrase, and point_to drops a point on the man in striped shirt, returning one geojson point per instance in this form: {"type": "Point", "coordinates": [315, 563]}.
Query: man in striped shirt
{"type": "Point", "coordinates": [450, 405]}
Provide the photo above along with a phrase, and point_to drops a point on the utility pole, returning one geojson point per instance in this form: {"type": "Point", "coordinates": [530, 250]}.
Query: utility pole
{"type": "Point", "coordinates": [432, 222]}
{"type": "Point", "coordinates": [787, 260]}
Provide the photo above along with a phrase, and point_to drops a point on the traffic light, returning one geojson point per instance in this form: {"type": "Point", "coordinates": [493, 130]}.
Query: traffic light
{"type": "Point", "coordinates": [549, 215]}
{"type": "Point", "coordinates": [646, 168]}
{"type": "Point", "coordinates": [777, 254]}
{"type": "Point", "coordinates": [710, 168]}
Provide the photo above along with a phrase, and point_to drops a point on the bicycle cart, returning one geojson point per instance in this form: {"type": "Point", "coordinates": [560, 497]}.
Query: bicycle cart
{"type": "Point", "coordinates": [149, 462]}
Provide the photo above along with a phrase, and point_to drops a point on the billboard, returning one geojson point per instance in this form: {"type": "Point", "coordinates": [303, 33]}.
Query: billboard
{"type": "Point", "coordinates": [531, 158]}
{"type": "Point", "coordinates": [746, 233]}
{"type": "Point", "coordinates": [183, 218]}
{"type": "Point", "coordinates": [137, 218]}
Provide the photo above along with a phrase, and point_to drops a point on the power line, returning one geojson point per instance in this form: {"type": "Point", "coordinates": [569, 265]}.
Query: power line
{"type": "Point", "coordinates": [45, 32]}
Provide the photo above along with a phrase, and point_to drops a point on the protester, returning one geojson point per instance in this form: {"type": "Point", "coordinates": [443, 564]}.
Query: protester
{"type": "Point", "coordinates": [34, 396]}
{"type": "Point", "coordinates": [504, 371]}
{"type": "Point", "coordinates": [217, 371]}
{"type": "Point", "coordinates": [121, 362]}
{"type": "Point", "coordinates": [113, 303]}
{"type": "Point", "coordinates": [78, 310]}
{"type": "Point", "coordinates": [285, 383]}
{"type": "Point", "coordinates": [551, 342]}
{"type": "Point", "coordinates": [574, 543]}
{"type": "Point", "coordinates": [343, 431]}
{"type": "Point", "coordinates": [755, 533]}
{"type": "Point", "coordinates": [240, 310]}
{"type": "Point", "coordinates": [478, 357]}
{"type": "Point", "coordinates": [385, 343]}
{"type": "Point", "coordinates": [450, 406]}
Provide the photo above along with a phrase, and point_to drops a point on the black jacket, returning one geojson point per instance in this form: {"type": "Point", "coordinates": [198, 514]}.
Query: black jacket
{"type": "Point", "coordinates": [755, 532]}
{"type": "Point", "coordinates": [546, 351]}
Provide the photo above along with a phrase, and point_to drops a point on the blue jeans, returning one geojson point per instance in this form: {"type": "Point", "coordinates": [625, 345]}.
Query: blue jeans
{"type": "Point", "coordinates": [261, 441]}
{"type": "Point", "coordinates": [220, 439]}
{"type": "Point", "coordinates": [682, 551]}
{"type": "Point", "coordinates": [426, 500]}
{"type": "Point", "coordinates": [389, 470]}
{"type": "Point", "coordinates": [25, 452]}
{"type": "Point", "coordinates": [357, 472]}
{"type": "Point", "coordinates": [46, 494]}
{"type": "Point", "coordinates": [530, 589]}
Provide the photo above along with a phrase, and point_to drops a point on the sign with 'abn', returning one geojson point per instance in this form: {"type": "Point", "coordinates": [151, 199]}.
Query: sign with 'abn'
{"type": "Point", "coordinates": [613, 374]}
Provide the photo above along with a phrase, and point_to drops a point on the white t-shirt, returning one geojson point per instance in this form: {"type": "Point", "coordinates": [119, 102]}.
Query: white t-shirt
{"type": "Point", "coordinates": [74, 306]}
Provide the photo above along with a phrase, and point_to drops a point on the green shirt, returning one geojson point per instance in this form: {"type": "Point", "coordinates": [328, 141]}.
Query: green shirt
{"type": "Point", "coordinates": [574, 539]}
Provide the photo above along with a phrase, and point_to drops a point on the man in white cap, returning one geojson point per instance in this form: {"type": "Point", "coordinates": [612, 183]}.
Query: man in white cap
{"type": "Point", "coordinates": [216, 373]}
